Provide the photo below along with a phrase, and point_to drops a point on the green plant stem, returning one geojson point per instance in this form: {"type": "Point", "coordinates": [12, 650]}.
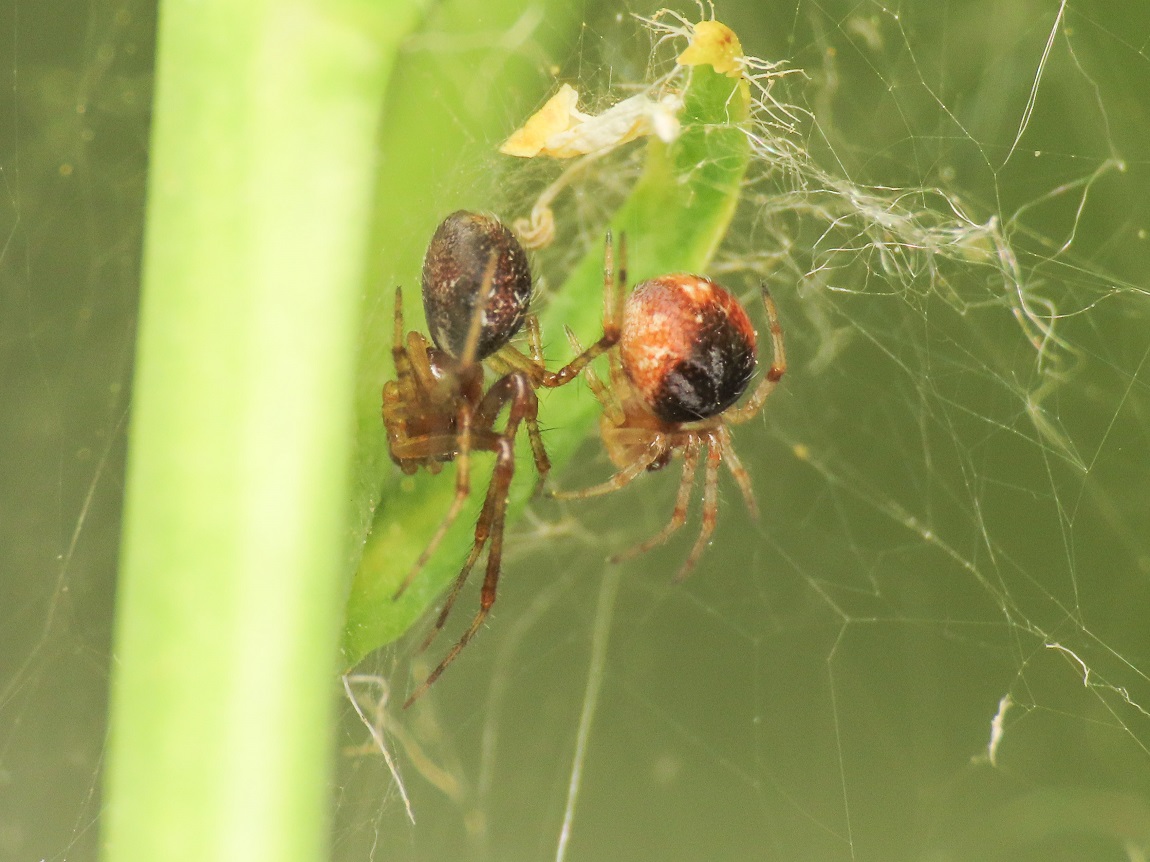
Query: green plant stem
{"type": "Point", "coordinates": [230, 591]}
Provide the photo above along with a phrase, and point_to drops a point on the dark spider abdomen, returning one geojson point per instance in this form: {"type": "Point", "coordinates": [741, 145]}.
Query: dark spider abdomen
{"type": "Point", "coordinates": [453, 271]}
{"type": "Point", "coordinates": [688, 346]}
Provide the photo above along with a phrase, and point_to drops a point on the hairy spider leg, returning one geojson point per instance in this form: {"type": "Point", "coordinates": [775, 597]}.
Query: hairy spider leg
{"type": "Point", "coordinates": [463, 418]}
{"type": "Point", "coordinates": [657, 442]}
{"type": "Point", "coordinates": [514, 388]}
{"type": "Point", "coordinates": [462, 491]}
{"type": "Point", "coordinates": [399, 357]}
{"type": "Point", "coordinates": [533, 364]}
{"type": "Point", "coordinates": [475, 325]}
{"type": "Point", "coordinates": [542, 461]}
{"type": "Point", "coordinates": [411, 451]}
{"type": "Point", "coordinates": [738, 471]}
{"type": "Point", "coordinates": [613, 283]}
{"type": "Point", "coordinates": [710, 510]}
{"type": "Point", "coordinates": [538, 452]}
{"type": "Point", "coordinates": [413, 378]}
{"type": "Point", "coordinates": [603, 395]}
{"type": "Point", "coordinates": [432, 446]}
{"type": "Point", "coordinates": [679, 513]}
{"type": "Point", "coordinates": [508, 360]}
{"type": "Point", "coordinates": [774, 374]}
{"type": "Point", "coordinates": [415, 381]}
{"type": "Point", "coordinates": [657, 446]}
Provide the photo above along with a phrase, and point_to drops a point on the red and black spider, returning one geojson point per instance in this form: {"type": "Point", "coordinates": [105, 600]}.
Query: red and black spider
{"type": "Point", "coordinates": [476, 293]}
{"type": "Point", "coordinates": [686, 354]}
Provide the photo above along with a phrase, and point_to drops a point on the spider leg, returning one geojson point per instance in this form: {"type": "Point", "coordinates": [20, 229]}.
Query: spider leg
{"type": "Point", "coordinates": [509, 358]}
{"type": "Point", "coordinates": [404, 372]}
{"type": "Point", "coordinates": [532, 368]}
{"type": "Point", "coordinates": [515, 388]}
{"type": "Point", "coordinates": [613, 297]}
{"type": "Point", "coordinates": [738, 471]}
{"type": "Point", "coordinates": [418, 434]}
{"type": "Point", "coordinates": [710, 509]}
{"type": "Point", "coordinates": [535, 340]}
{"type": "Point", "coordinates": [778, 366]}
{"type": "Point", "coordinates": [612, 317]}
{"type": "Point", "coordinates": [419, 366]}
{"type": "Point", "coordinates": [486, 600]}
{"type": "Point", "coordinates": [397, 332]}
{"type": "Point", "coordinates": [682, 502]}
{"type": "Point", "coordinates": [431, 451]}
{"type": "Point", "coordinates": [481, 533]}
{"type": "Point", "coordinates": [471, 345]}
{"type": "Point", "coordinates": [412, 363]}
{"type": "Point", "coordinates": [538, 452]}
{"type": "Point", "coordinates": [462, 492]}
{"type": "Point", "coordinates": [618, 377]}
{"type": "Point", "coordinates": [602, 394]}
{"type": "Point", "coordinates": [624, 477]}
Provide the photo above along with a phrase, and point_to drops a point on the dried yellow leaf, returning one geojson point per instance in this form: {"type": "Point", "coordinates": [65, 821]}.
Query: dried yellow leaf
{"type": "Point", "coordinates": [716, 45]}
{"type": "Point", "coordinates": [560, 130]}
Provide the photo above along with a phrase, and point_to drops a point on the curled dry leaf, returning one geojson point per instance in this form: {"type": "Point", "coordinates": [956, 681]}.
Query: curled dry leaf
{"type": "Point", "coordinates": [560, 130]}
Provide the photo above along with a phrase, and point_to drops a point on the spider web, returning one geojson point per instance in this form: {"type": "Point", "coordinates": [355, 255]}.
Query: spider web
{"type": "Point", "coordinates": [932, 642]}
{"type": "Point", "coordinates": [73, 147]}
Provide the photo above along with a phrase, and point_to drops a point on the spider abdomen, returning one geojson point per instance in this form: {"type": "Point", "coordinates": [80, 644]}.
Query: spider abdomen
{"type": "Point", "coordinates": [454, 267]}
{"type": "Point", "coordinates": [687, 346]}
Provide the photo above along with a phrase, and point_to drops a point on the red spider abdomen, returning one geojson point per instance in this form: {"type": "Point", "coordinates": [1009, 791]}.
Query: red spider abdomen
{"type": "Point", "coordinates": [453, 270]}
{"type": "Point", "coordinates": [687, 346]}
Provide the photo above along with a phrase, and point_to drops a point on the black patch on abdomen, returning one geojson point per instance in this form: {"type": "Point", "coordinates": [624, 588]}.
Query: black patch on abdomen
{"type": "Point", "coordinates": [712, 378]}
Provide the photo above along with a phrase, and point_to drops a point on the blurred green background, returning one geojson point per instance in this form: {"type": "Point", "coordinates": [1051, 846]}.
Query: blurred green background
{"type": "Point", "coordinates": [954, 522]}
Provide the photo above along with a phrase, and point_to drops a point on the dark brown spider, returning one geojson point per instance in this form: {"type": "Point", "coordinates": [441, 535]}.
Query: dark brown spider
{"type": "Point", "coordinates": [686, 354]}
{"type": "Point", "coordinates": [476, 292]}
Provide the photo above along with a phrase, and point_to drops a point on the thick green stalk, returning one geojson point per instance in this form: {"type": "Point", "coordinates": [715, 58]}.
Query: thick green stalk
{"type": "Point", "coordinates": [263, 152]}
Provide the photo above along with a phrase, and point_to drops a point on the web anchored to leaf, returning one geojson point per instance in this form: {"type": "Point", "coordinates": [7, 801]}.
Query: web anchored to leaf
{"type": "Point", "coordinates": [945, 581]}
